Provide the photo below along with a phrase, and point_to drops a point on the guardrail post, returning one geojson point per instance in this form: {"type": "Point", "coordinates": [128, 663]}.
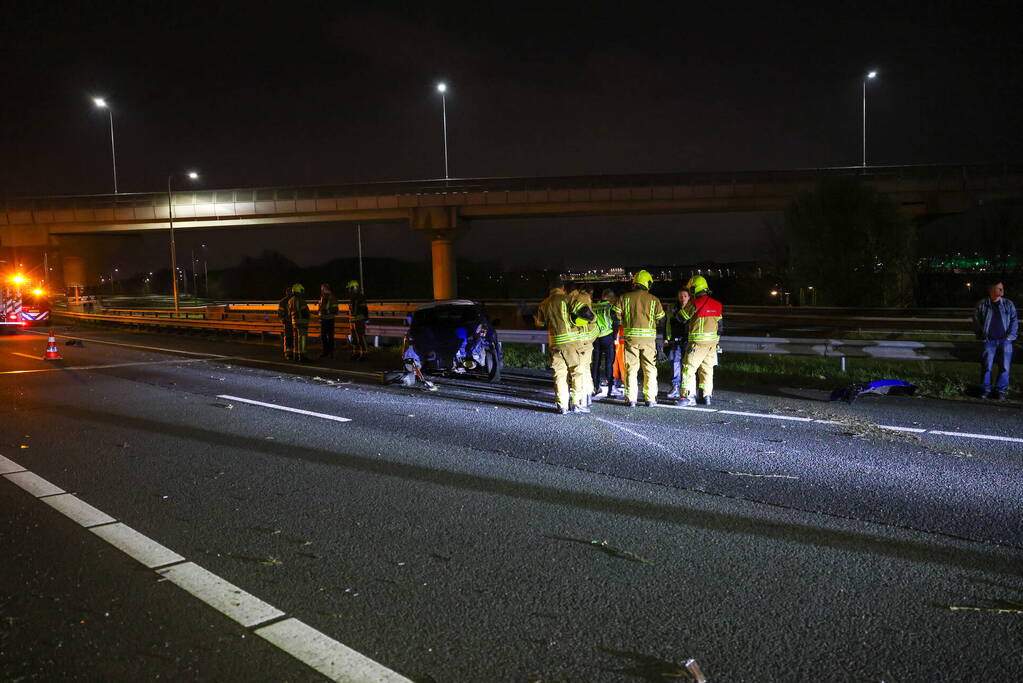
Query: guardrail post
{"type": "Point", "coordinates": [843, 364]}
{"type": "Point", "coordinates": [376, 341]}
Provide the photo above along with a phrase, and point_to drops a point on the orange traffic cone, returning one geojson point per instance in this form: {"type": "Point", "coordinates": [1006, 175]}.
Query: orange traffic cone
{"type": "Point", "coordinates": [51, 349]}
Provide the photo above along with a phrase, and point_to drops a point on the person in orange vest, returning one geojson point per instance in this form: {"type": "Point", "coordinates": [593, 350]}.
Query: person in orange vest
{"type": "Point", "coordinates": [619, 369]}
{"type": "Point", "coordinates": [704, 316]}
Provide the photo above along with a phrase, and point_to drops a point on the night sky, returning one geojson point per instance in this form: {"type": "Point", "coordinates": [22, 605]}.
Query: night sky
{"type": "Point", "coordinates": [316, 93]}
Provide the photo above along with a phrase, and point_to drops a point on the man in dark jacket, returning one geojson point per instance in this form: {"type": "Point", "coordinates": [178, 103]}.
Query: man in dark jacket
{"type": "Point", "coordinates": [298, 310]}
{"type": "Point", "coordinates": [327, 311]}
{"type": "Point", "coordinates": [996, 324]}
{"type": "Point", "coordinates": [676, 339]}
{"type": "Point", "coordinates": [285, 317]}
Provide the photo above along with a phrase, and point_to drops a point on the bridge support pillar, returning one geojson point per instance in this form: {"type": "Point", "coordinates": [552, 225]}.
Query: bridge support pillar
{"type": "Point", "coordinates": [441, 225]}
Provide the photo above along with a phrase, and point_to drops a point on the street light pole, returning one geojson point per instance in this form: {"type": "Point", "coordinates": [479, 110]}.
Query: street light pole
{"type": "Point", "coordinates": [442, 88]}
{"type": "Point", "coordinates": [102, 104]}
{"type": "Point", "coordinates": [871, 75]}
{"type": "Point", "coordinates": [174, 254]}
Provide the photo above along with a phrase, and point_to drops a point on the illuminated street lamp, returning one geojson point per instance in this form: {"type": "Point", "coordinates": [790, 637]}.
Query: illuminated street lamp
{"type": "Point", "coordinates": [102, 104]}
{"type": "Point", "coordinates": [442, 88]}
{"type": "Point", "coordinates": [871, 75]}
{"type": "Point", "coordinates": [192, 175]}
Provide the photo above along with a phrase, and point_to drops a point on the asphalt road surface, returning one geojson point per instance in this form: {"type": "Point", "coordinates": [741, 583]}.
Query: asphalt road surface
{"type": "Point", "coordinates": [186, 509]}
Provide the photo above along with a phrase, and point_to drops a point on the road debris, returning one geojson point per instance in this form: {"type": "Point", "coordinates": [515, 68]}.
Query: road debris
{"type": "Point", "coordinates": [228, 406]}
{"type": "Point", "coordinates": [694, 669]}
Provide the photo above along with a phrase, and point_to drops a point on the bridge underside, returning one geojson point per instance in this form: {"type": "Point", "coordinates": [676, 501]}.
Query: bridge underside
{"type": "Point", "coordinates": [439, 209]}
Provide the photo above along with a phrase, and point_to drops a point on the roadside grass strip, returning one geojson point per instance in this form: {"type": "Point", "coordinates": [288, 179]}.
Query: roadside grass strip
{"type": "Point", "coordinates": [274, 406]}
{"type": "Point", "coordinates": [313, 648]}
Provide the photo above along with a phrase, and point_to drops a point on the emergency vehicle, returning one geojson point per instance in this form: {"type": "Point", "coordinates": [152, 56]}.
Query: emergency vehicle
{"type": "Point", "coordinates": [22, 305]}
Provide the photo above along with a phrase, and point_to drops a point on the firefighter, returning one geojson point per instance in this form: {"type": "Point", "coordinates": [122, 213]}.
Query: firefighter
{"type": "Point", "coordinates": [285, 317]}
{"type": "Point", "coordinates": [604, 344]}
{"type": "Point", "coordinates": [704, 316]}
{"type": "Point", "coordinates": [298, 310]}
{"type": "Point", "coordinates": [640, 311]}
{"type": "Point", "coordinates": [327, 312]}
{"type": "Point", "coordinates": [554, 313]}
{"type": "Point", "coordinates": [583, 317]}
{"type": "Point", "coordinates": [358, 311]}
{"type": "Point", "coordinates": [676, 339]}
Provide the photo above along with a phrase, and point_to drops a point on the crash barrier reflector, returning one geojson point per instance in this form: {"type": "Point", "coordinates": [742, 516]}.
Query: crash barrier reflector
{"type": "Point", "coordinates": [781, 346]}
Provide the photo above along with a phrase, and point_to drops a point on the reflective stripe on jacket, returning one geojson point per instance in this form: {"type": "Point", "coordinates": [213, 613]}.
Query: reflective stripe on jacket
{"type": "Point", "coordinates": [577, 301]}
{"type": "Point", "coordinates": [676, 328]}
{"type": "Point", "coordinates": [639, 310]}
{"type": "Point", "coordinates": [553, 313]}
{"type": "Point", "coordinates": [704, 315]}
{"type": "Point", "coordinates": [298, 309]}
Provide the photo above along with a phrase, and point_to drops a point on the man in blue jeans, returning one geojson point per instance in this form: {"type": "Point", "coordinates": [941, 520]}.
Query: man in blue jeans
{"type": "Point", "coordinates": [996, 324]}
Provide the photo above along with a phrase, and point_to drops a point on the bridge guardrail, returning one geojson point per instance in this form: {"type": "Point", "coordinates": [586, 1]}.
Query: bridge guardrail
{"type": "Point", "coordinates": [792, 346]}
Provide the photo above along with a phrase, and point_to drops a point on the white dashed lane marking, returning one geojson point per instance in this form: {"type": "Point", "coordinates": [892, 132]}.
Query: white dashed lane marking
{"type": "Point", "coordinates": [33, 483]}
{"type": "Point", "coordinates": [78, 510]}
{"type": "Point", "coordinates": [8, 466]}
{"type": "Point", "coordinates": [331, 658]}
{"type": "Point", "coordinates": [226, 598]}
{"type": "Point", "coordinates": [136, 545]}
{"type": "Point", "coordinates": [334, 660]}
{"type": "Point", "coordinates": [274, 406]}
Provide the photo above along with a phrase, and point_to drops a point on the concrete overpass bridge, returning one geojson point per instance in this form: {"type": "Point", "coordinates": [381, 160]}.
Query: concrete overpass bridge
{"type": "Point", "coordinates": [439, 208]}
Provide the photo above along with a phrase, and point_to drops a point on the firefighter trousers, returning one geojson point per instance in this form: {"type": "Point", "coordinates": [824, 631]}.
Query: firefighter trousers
{"type": "Point", "coordinates": [586, 359]}
{"type": "Point", "coordinates": [701, 357]}
{"type": "Point", "coordinates": [300, 335]}
{"type": "Point", "coordinates": [569, 372]}
{"type": "Point", "coordinates": [641, 354]}
{"type": "Point", "coordinates": [287, 338]}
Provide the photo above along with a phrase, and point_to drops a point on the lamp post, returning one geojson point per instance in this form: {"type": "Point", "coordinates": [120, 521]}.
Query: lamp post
{"type": "Point", "coordinates": [102, 104]}
{"type": "Point", "coordinates": [442, 88]}
{"type": "Point", "coordinates": [192, 175]}
{"type": "Point", "coordinates": [871, 75]}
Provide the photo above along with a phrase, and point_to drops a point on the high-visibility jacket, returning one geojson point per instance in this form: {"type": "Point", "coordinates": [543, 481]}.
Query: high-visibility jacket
{"type": "Point", "coordinates": [577, 301]}
{"type": "Point", "coordinates": [298, 310]}
{"type": "Point", "coordinates": [328, 307]}
{"type": "Point", "coordinates": [555, 314]}
{"type": "Point", "coordinates": [605, 318]}
{"type": "Point", "coordinates": [704, 315]}
{"type": "Point", "coordinates": [357, 307]}
{"type": "Point", "coordinates": [639, 311]}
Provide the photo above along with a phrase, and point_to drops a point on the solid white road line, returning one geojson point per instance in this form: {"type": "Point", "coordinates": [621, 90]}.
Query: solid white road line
{"type": "Point", "coordinates": [116, 365]}
{"type": "Point", "coordinates": [78, 510]}
{"type": "Point", "coordinates": [142, 548]}
{"type": "Point", "coordinates": [226, 598]}
{"type": "Point", "coordinates": [33, 483]}
{"type": "Point", "coordinates": [284, 408]}
{"type": "Point", "coordinates": [8, 466]}
{"type": "Point", "coordinates": [135, 346]}
{"type": "Point", "coordinates": [911, 430]}
{"type": "Point", "coordinates": [968, 435]}
{"type": "Point", "coordinates": [331, 658]}
{"type": "Point", "coordinates": [771, 416]}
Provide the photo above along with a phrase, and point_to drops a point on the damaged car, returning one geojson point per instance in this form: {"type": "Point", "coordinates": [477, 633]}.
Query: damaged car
{"type": "Point", "coordinates": [451, 337]}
